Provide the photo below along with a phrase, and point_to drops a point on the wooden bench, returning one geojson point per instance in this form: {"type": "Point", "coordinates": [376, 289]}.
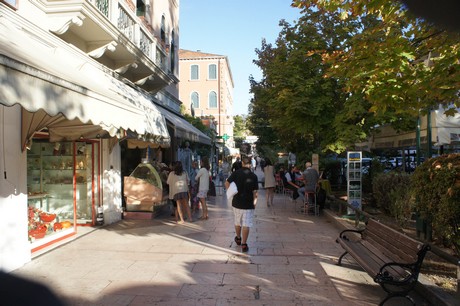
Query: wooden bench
{"type": "Point", "coordinates": [390, 257]}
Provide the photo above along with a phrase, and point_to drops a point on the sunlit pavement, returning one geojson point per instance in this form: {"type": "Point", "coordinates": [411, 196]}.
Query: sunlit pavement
{"type": "Point", "coordinates": [291, 261]}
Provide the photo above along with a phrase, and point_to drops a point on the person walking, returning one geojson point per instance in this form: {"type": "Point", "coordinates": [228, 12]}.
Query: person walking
{"type": "Point", "coordinates": [172, 191]}
{"type": "Point", "coordinates": [269, 181]}
{"type": "Point", "coordinates": [178, 181]}
{"type": "Point", "coordinates": [244, 202]}
{"type": "Point", "coordinates": [203, 177]}
{"type": "Point", "coordinates": [194, 188]}
{"type": "Point", "coordinates": [253, 164]}
{"type": "Point", "coordinates": [225, 170]}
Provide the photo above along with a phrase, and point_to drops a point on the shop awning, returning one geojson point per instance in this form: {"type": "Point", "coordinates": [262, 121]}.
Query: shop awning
{"type": "Point", "coordinates": [229, 151]}
{"type": "Point", "coordinates": [38, 73]}
{"type": "Point", "coordinates": [185, 129]}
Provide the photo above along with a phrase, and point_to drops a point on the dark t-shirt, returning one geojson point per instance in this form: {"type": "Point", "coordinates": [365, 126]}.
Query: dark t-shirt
{"type": "Point", "coordinates": [246, 182]}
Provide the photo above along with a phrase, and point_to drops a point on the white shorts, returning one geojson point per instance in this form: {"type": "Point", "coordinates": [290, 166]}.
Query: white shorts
{"type": "Point", "coordinates": [243, 217]}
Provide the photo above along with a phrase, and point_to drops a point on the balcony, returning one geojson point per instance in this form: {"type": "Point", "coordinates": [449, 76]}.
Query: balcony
{"type": "Point", "coordinates": [110, 32]}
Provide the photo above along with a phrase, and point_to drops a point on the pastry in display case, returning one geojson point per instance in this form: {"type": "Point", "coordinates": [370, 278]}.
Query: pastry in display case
{"type": "Point", "coordinates": [143, 188]}
{"type": "Point", "coordinates": [41, 223]}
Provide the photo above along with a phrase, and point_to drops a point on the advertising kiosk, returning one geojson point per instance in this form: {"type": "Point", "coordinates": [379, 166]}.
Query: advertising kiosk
{"type": "Point", "coordinates": [354, 183]}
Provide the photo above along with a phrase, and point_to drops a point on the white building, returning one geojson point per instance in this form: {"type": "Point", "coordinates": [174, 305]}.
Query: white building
{"type": "Point", "coordinates": [81, 83]}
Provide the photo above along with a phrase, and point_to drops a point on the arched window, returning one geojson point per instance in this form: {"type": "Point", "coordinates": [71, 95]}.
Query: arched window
{"type": "Point", "coordinates": [194, 72]}
{"type": "Point", "coordinates": [212, 72]}
{"type": "Point", "coordinates": [195, 100]}
{"type": "Point", "coordinates": [212, 99]}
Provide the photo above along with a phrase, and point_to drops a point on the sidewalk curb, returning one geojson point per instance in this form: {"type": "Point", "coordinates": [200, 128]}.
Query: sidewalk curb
{"type": "Point", "coordinates": [424, 287]}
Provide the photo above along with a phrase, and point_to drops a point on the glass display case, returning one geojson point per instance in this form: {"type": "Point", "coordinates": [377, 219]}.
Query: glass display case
{"type": "Point", "coordinates": [60, 184]}
{"type": "Point", "coordinates": [143, 188]}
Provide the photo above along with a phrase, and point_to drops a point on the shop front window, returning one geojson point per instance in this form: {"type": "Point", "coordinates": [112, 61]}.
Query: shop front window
{"type": "Point", "coordinates": [62, 185]}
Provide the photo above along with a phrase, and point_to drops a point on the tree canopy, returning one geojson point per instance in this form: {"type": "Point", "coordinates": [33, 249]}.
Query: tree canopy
{"type": "Point", "coordinates": [346, 66]}
{"type": "Point", "coordinates": [400, 62]}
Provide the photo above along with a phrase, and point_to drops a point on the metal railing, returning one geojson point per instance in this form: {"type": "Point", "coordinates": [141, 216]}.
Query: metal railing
{"type": "Point", "coordinates": [144, 43]}
{"type": "Point", "coordinates": [102, 6]}
{"type": "Point", "coordinates": [125, 23]}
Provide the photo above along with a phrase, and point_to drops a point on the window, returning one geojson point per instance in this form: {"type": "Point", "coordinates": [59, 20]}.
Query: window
{"type": "Point", "coordinates": [195, 100]}
{"type": "Point", "coordinates": [163, 30]}
{"type": "Point", "coordinates": [12, 3]}
{"type": "Point", "coordinates": [212, 99]}
{"type": "Point", "coordinates": [212, 73]}
{"type": "Point", "coordinates": [172, 53]}
{"type": "Point", "coordinates": [140, 8]}
{"type": "Point", "coordinates": [194, 72]}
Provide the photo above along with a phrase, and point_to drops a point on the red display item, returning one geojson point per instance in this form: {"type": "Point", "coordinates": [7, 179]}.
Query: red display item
{"type": "Point", "coordinates": [38, 233]}
{"type": "Point", "coordinates": [47, 217]}
{"type": "Point", "coordinates": [57, 226]}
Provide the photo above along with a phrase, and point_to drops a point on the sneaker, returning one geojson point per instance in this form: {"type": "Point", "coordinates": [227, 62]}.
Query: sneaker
{"type": "Point", "coordinates": [244, 247]}
{"type": "Point", "coordinates": [238, 240]}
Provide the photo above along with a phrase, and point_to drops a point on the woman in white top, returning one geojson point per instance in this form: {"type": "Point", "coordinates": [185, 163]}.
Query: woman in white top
{"type": "Point", "coordinates": [203, 178]}
{"type": "Point", "coordinates": [178, 186]}
{"type": "Point", "coordinates": [270, 182]}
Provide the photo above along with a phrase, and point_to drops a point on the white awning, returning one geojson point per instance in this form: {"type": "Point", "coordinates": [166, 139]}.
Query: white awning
{"type": "Point", "coordinates": [38, 73]}
{"type": "Point", "coordinates": [185, 129]}
{"type": "Point", "coordinates": [229, 151]}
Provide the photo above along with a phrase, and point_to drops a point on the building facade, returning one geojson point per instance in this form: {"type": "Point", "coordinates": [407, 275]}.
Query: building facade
{"type": "Point", "coordinates": [83, 82]}
{"type": "Point", "coordinates": [206, 89]}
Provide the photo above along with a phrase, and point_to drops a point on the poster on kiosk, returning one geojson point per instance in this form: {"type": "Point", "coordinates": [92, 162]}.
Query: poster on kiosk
{"type": "Point", "coordinates": [354, 189]}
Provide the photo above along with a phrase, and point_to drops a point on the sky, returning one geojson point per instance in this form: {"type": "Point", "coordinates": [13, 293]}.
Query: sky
{"type": "Point", "coordinates": [234, 28]}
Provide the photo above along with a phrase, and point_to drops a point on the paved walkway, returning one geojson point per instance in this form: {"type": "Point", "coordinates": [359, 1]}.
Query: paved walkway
{"type": "Point", "coordinates": [291, 261]}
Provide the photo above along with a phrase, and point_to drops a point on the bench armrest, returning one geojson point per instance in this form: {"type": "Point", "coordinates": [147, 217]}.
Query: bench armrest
{"type": "Point", "coordinates": [384, 277]}
{"type": "Point", "coordinates": [344, 236]}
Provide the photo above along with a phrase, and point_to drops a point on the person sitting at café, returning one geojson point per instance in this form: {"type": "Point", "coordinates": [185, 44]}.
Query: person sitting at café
{"type": "Point", "coordinates": [310, 180]}
{"type": "Point", "coordinates": [290, 182]}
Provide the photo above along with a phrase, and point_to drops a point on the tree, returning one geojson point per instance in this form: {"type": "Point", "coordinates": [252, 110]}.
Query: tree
{"type": "Point", "coordinates": [399, 62]}
{"type": "Point", "coordinates": [348, 66]}
{"type": "Point", "coordinates": [196, 122]}
{"type": "Point", "coordinates": [295, 97]}
{"type": "Point", "coordinates": [239, 129]}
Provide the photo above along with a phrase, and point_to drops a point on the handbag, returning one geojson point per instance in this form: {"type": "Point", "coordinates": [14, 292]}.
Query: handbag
{"type": "Point", "coordinates": [231, 191]}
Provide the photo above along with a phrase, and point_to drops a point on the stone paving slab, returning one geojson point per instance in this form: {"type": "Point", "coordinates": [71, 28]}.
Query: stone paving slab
{"type": "Point", "coordinates": [291, 261]}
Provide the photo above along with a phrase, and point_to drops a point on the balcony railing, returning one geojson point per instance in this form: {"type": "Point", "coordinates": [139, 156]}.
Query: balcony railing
{"type": "Point", "coordinates": [144, 44]}
{"type": "Point", "coordinates": [125, 23]}
{"type": "Point", "coordinates": [102, 6]}
{"type": "Point", "coordinates": [160, 59]}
